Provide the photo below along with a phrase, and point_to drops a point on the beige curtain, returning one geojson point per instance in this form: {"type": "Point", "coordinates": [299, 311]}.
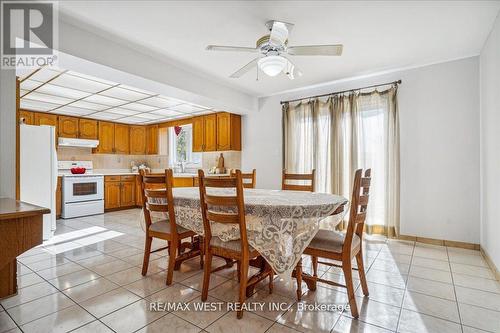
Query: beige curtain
{"type": "Point", "coordinates": [343, 133]}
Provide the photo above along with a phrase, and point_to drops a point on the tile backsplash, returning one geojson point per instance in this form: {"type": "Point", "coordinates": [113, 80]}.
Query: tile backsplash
{"type": "Point", "coordinates": [232, 159]}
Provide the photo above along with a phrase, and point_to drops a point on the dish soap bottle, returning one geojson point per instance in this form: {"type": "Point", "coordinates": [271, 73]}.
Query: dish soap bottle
{"type": "Point", "coordinates": [220, 164]}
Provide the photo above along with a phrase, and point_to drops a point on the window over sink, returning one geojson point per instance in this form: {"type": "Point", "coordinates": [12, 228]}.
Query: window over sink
{"type": "Point", "coordinates": [180, 149]}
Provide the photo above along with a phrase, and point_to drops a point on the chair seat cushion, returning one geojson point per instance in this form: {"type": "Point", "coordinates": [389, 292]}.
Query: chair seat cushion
{"type": "Point", "coordinates": [332, 241]}
{"type": "Point", "coordinates": [163, 227]}
{"type": "Point", "coordinates": [234, 245]}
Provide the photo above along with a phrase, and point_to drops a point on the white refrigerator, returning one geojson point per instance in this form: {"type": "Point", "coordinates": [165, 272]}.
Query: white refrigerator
{"type": "Point", "coordinates": [38, 171]}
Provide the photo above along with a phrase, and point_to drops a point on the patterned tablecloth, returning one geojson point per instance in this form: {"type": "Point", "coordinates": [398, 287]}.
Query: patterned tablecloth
{"type": "Point", "coordinates": [280, 224]}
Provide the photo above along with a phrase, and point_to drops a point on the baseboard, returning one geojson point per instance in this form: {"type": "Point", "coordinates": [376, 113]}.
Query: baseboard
{"type": "Point", "coordinates": [442, 242]}
{"type": "Point", "coordinates": [490, 262]}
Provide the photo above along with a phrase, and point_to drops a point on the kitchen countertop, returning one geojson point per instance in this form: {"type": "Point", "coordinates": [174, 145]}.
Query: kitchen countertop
{"type": "Point", "coordinates": [125, 172]}
{"type": "Point", "coordinates": [13, 209]}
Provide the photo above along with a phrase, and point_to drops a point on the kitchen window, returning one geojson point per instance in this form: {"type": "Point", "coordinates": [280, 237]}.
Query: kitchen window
{"type": "Point", "coordinates": [180, 146]}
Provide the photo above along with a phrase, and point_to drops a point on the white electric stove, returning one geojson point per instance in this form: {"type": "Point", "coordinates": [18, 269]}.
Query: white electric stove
{"type": "Point", "coordinates": [82, 194]}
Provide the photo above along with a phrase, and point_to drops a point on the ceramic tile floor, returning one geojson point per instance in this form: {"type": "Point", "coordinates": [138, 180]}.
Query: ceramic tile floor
{"type": "Point", "coordinates": [88, 279]}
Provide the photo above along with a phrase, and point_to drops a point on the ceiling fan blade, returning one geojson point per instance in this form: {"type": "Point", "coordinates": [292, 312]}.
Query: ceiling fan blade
{"type": "Point", "coordinates": [315, 50]}
{"type": "Point", "coordinates": [231, 48]}
{"type": "Point", "coordinates": [291, 70]}
{"type": "Point", "coordinates": [243, 70]}
{"type": "Point", "coordinates": [279, 32]}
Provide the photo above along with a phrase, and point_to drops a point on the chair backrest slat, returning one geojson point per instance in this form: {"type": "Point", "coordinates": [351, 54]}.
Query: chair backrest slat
{"type": "Point", "coordinates": [222, 209]}
{"type": "Point", "coordinates": [157, 196]}
{"type": "Point", "coordinates": [218, 200]}
{"type": "Point", "coordinates": [359, 205]}
{"type": "Point", "coordinates": [223, 217]}
{"type": "Point", "coordinates": [249, 179]}
{"type": "Point", "coordinates": [286, 177]}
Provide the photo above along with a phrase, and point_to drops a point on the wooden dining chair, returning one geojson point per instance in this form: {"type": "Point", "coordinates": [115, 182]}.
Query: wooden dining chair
{"type": "Point", "coordinates": [228, 209]}
{"type": "Point", "coordinates": [248, 179]}
{"type": "Point", "coordinates": [296, 177]}
{"type": "Point", "coordinates": [157, 197]}
{"type": "Point", "coordinates": [342, 247]}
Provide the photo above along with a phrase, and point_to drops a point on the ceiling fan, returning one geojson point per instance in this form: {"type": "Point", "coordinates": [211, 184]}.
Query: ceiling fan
{"type": "Point", "coordinates": [273, 48]}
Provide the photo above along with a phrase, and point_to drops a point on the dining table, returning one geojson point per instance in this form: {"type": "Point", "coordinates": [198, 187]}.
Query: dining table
{"type": "Point", "coordinates": [280, 224]}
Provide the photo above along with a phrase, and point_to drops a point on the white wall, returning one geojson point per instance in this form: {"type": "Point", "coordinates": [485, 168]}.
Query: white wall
{"type": "Point", "coordinates": [7, 133]}
{"type": "Point", "coordinates": [490, 144]}
{"type": "Point", "coordinates": [439, 120]}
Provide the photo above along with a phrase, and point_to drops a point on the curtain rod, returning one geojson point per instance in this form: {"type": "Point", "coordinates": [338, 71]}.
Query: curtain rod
{"type": "Point", "coordinates": [341, 92]}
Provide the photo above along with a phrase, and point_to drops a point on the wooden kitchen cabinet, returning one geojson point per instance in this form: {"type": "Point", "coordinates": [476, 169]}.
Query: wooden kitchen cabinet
{"type": "Point", "coordinates": [88, 129]}
{"type": "Point", "coordinates": [205, 133]}
{"type": "Point", "coordinates": [127, 194]}
{"type": "Point", "coordinates": [119, 191]}
{"type": "Point", "coordinates": [210, 133]}
{"type": "Point", "coordinates": [183, 182]}
{"type": "Point", "coordinates": [228, 131]}
{"type": "Point", "coordinates": [152, 139]}
{"type": "Point", "coordinates": [137, 140]}
{"type": "Point", "coordinates": [68, 127]}
{"type": "Point", "coordinates": [122, 139]}
{"type": "Point", "coordinates": [59, 197]}
{"type": "Point", "coordinates": [45, 119]}
{"type": "Point", "coordinates": [27, 117]}
{"type": "Point", "coordinates": [112, 194]}
{"type": "Point", "coordinates": [106, 132]}
{"type": "Point", "coordinates": [198, 133]}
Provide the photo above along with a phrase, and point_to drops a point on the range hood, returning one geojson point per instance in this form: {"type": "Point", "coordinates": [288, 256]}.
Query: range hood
{"type": "Point", "coordinates": [83, 143]}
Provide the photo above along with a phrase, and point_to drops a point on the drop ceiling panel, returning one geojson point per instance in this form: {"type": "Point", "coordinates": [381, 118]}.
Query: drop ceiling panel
{"type": "Point", "coordinates": [73, 110]}
{"type": "Point", "coordinates": [48, 98]}
{"type": "Point", "coordinates": [45, 74]}
{"type": "Point", "coordinates": [122, 111]}
{"type": "Point", "coordinates": [104, 100]}
{"type": "Point", "coordinates": [133, 120]}
{"type": "Point", "coordinates": [106, 115]}
{"type": "Point", "coordinates": [139, 107]}
{"type": "Point", "coordinates": [149, 116]}
{"type": "Point", "coordinates": [88, 105]}
{"type": "Point", "coordinates": [124, 94]}
{"type": "Point", "coordinates": [29, 104]}
{"type": "Point", "coordinates": [30, 84]}
{"type": "Point", "coordinates": [62, 91]}
{"type": "Point", "coordinates": [79, 83]}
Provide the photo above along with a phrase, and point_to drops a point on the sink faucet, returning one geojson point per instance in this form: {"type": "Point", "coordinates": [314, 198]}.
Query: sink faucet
{"type": "Point", "coordinates": [182, 166]}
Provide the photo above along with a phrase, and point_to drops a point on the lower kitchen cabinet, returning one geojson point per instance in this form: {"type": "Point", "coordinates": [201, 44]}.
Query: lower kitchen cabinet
{"type": "Point", "coordinates": [183, 182]}
{"type": "Point", "coordinates": [127, 193]}
{"type": "Point", "coordinates": [111, 194]}
{"type": "Point", "coordinates": [119, 191]}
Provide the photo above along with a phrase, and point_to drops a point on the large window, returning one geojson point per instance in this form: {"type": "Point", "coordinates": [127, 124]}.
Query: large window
{"type": "Point", "coordinates": [181, 147]}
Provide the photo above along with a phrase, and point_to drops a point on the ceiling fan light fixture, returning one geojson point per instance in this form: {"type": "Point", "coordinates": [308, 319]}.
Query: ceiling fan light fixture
{"type": "Point", "coordinates": [272, 65]}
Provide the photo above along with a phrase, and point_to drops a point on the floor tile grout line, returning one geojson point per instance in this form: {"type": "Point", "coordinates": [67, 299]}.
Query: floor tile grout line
{"type": "Point", "coordinates": [405, 291]}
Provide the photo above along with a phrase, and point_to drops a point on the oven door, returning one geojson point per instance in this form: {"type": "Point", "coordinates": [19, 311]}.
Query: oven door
{"type": "Point", "coordinates": [83, 188]}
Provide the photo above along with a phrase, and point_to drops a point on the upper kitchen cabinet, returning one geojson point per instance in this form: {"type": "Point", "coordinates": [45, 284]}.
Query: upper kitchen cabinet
{"type": "Point", "coordinates": [45, 119]}
{"type": "Point", "coordinates": [88, 129]}
{"type": "Point", "coordinates": [122, 139]}
{"type": "Point", "coordinates": [198, 133]}
{"type": "Point", "coordinates": [205, 133]}
{"type": "Point", "coordinates": [137, 140]}
{"type": "Point", "coordinates": [210, 133]}
{"type": "Point", "coordinates": [68, 127]}
{"type": "Point", "coordinates": [106, 138]}
{"type": "Point", "coordinates": [220, 131]}
{"type": "Point", "coordinates": [228, 131]}
{"type": "Point", "coordinates": [152, 139]}
{"type": "Point", "coordinates": [26, 117]}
